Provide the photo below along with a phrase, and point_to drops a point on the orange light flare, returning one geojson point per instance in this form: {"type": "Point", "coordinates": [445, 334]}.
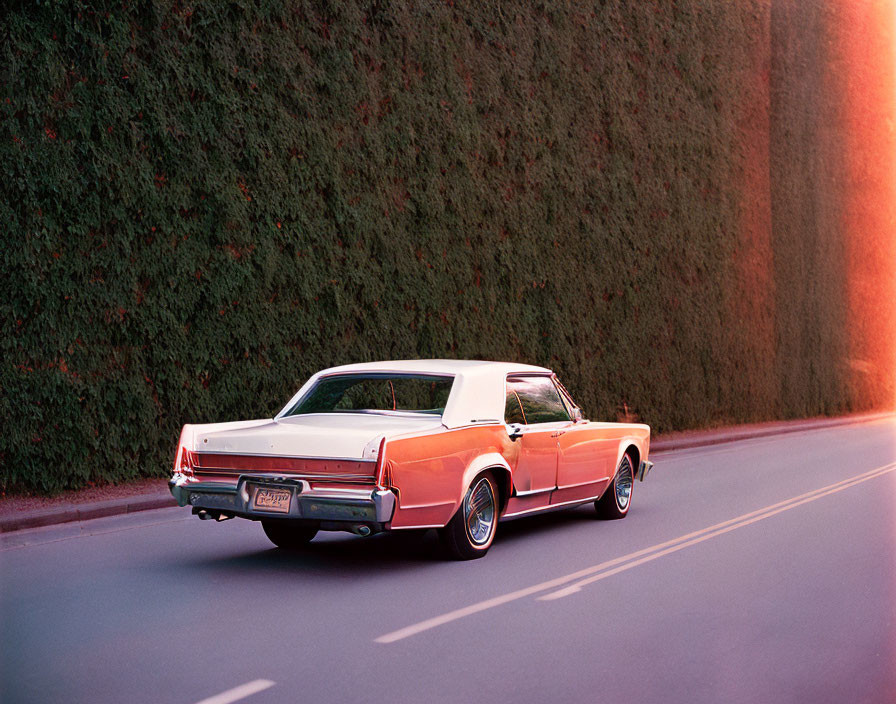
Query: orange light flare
{"type": "Point", "coordinates": [864, 66]}
{"type": "Point", "coordinates": [866, 49]}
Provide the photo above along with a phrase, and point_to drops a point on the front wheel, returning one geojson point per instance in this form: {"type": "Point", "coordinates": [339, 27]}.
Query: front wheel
{"type": "Point", "coordinates": [287, 535]}
{"type": "Point", "coordinates": [617, 498]}
{"type": "Point", "coordinates": [471, 530]}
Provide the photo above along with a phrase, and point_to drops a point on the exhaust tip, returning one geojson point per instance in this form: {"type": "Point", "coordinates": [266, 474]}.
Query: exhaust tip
{"type": "Point", "coordinates": [361, 530]}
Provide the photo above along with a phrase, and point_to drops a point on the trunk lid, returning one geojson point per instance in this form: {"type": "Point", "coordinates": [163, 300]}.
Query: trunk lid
{"type": "Point", "coordinates": [325, 436]}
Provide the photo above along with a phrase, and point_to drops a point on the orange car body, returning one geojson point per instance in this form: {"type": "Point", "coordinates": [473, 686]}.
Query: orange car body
{"type": "Point", "coordinates": [374, 469]}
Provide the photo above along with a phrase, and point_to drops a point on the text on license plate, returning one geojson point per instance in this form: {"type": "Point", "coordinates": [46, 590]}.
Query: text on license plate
{"type": "Point", "coordinates": [276, 500]}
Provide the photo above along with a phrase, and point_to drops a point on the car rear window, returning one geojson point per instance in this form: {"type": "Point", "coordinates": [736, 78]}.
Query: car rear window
{"type": "Point", "coordinates": [534, 399]}
{"type": "Point", "coordinates": [377, 393]}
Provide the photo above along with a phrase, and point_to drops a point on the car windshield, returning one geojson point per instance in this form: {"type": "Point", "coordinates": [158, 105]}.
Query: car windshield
{"type": "Point", "coordinates": [376, 393]}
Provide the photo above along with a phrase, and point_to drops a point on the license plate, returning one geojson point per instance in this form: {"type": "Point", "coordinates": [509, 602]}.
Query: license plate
{"type": "Point", "coordinates": [273, 500]}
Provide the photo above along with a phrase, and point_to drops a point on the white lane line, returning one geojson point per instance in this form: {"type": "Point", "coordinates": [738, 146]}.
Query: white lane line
{"type": "Point", "coordinates": [619, 564]}
{"type": "Point", "coordinates": [577, 587]}
{"type": "Point", "coordinates": [237, 693]}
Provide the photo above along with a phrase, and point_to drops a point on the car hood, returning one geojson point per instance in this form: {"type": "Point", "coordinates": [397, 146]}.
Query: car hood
{"type": "Point", "coordinates": [349, 435]}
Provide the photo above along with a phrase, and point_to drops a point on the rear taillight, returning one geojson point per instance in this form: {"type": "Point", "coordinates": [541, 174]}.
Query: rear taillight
{"type": "Point", "coordinates": [387, 477]}
{"type": "Point", "coordinates": [383, 475]}
{"type": "Point", "coordinates": [183, 460]}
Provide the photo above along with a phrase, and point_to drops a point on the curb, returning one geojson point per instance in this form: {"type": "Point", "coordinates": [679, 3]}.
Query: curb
{"type": "Point", "coordinates": [84, 512]}
{"type": "Point", "coordinates": [69, 513]}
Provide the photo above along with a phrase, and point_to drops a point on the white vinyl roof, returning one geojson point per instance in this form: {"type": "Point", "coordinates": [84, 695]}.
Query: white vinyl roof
{"type": "Point", "coordinates": [435, 366]}
{"type": "Point", "coordinates": [476, 395]}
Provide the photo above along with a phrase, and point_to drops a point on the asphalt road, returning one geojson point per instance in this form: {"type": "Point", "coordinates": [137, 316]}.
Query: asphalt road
{"type": "Point", "coordinates": [757, 571]}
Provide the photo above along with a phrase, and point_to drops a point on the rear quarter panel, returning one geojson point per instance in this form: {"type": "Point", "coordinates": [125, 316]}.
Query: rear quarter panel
{"type": "Point", "coordinates": [624, 436]}
{"type": "Point", "coordinates": [432, 471]}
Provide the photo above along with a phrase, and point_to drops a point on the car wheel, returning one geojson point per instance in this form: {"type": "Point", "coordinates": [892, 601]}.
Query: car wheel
{"type": "Point", "coordinates": [289, 536]}
{"type": "Point", "coordinates": [618, 497]}
{"type": "Point", "coordinates": [471, 530]}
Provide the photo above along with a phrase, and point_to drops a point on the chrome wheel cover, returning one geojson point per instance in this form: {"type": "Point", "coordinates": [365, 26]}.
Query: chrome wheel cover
{"type": "Point", "coordinates": [479, 512]}
{"type": "Point", "coordinates": [624, 483]}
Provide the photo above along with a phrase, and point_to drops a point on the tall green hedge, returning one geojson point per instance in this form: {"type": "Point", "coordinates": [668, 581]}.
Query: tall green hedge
{"type": "Point", "coordinates": [203, 203]}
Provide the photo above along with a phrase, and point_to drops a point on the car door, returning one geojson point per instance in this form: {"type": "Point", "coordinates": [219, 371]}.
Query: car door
{"type": "Point", "coordinates": [534, 403]}
{"type": "Point", "coordinates": [587, 456]}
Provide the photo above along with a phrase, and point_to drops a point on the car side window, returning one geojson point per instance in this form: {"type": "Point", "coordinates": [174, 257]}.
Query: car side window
{"type": "Point", "coordinates": [567, 399]}
{"type": "Point", "coordinates": [539, 400]}
{"type": "Point", "coordinates": [513, 408]}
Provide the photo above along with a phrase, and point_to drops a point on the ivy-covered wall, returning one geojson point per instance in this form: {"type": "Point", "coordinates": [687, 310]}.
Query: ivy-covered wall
{"type": "Point", "coordinates": [203, 203]}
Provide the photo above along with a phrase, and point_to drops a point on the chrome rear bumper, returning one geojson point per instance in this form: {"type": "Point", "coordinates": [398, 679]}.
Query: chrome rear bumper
{"type": "Point", "coordinates": [644, 470]}
{"type": "Point", "coordinates": [363, 505]}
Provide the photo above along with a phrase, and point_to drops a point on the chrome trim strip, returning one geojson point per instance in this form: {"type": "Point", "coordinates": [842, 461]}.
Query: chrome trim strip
{"type": "Point", "coordinates": [532, 492]}
{"type": "Point", "coordinates": [176, 484]}
{"type": "Point", "coordinates": [350, 494]}
{"type": "Point", "coordinates": [285, 457]}
{"type": "Point", "coordinates": [575, 486]}
{"type": "Point", "coordinates": [366, 478]}
{"type": "Point", "coordinates": [565, 504]}
{"type": "Point", "coordinates": [434, 525]}
{"type": "Point", "coordinates": [419, 506]}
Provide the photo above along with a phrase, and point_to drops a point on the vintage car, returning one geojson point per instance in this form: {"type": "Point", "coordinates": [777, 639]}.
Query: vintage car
{"type": "Point", "coordinates": [446, 444]}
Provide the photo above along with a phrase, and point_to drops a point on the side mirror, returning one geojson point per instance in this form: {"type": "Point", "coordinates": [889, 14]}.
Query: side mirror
{"type": "Point", "coordinates": [577, 416]}
{"type": "Point", "coordinates": [515, 430]}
